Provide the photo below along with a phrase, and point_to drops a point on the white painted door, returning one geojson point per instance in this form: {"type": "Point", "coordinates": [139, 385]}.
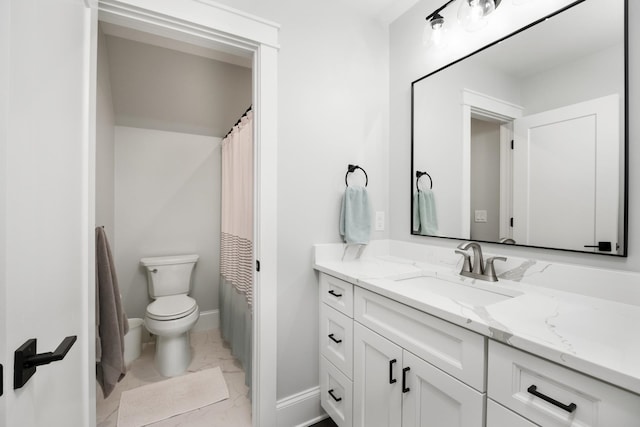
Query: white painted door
{"type": "Point", "coordinates": [436, 399]}
{"type": "Point", "coordinates": [377, 380]}
{"type": "Point", "coordinates": [566, 176]}
{"type": "Point", "coordinates": [45, 232]}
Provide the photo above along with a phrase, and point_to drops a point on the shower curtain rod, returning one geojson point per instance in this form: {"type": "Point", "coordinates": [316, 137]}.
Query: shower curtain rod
{"type": "Point", "coordinates": [238, 122]}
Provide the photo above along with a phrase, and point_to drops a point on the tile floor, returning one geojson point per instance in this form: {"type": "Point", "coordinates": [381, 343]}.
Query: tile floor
{"type": "Point", "coordinates": [209, 351]}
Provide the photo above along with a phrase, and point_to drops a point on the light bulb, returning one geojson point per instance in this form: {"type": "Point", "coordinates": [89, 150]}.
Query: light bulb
{"type": "Point", "coordinates": [435, 32]}
{"type": "Point", "coordinates": [472, 13]}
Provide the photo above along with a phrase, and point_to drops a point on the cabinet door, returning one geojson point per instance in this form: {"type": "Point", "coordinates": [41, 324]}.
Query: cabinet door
{"type": "Point", "coordinates": [436, 399]}
{"type": "Point", "coordinates": [336, 339]}
{"type": "Point", "coordinates": [377, 380]}
{"type": "Point", "coordinates": [336, 393]}
{"type": "Point", "coordinates": [499, 416]}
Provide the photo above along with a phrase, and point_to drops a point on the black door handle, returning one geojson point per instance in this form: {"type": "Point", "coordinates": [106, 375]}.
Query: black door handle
{"type": "Point", "coordinates": [391, 379]}
{"type": "Point", "coordinates": [335, 294]}
{"type": "Point", "coordinates": [26, 359]}
{"type": "Point", "coordinates": [602, 246]}
{"type": "Point", "coordinates": [405, 389]}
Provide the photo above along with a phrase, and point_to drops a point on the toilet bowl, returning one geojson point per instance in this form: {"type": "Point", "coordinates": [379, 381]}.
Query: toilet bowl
{"type": "Point", "coordinates": [172, 313]}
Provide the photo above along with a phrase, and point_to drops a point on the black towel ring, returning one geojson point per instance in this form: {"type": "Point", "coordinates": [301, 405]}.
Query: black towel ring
{"type": "Point", "coordinates": [352, 168]}
{"type": "Point", "coordinates": [420, 174]}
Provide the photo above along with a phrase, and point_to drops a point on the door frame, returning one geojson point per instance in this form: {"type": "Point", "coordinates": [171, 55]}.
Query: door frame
{"type": "Point", "coordinates": [476, 104]}
{"type": "Point", "coordinates": [206, 23]}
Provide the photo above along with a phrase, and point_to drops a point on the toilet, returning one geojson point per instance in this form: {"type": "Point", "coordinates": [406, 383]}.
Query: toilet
{"type": "Point", "coordinates": [173, 312]}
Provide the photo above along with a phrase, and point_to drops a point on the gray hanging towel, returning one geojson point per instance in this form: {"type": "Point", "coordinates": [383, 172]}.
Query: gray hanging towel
{"type": "Point", "coordinates": [111, 321]}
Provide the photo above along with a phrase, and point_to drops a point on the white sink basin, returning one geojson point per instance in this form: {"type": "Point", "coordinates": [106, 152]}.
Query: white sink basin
{"type": "Point", "coordinates": [468, 294]}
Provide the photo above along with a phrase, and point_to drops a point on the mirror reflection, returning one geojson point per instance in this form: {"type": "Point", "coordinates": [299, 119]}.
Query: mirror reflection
{"type": "Point", "coordinates": [524, 141]}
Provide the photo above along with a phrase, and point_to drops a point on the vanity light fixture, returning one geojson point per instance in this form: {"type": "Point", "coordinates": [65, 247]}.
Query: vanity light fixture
{"type": "Point", "coordinates": [472, 15]}
{"type": "Point", "coordinates": [435, 31]}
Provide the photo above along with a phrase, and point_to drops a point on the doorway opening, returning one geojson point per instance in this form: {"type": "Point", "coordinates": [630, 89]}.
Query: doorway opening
{"type": "Point", "coordinates": [491, 179]}
{"type": "Point", "coordinates": [487, 136]}
{"type": "Point", "coordinates": [199, 25]}
{"type": "Point", "coordinates": [163, 108]}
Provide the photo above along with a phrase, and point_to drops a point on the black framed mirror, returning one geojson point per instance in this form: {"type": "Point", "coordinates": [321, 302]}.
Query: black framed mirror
{"type": "Point", "coordinates": [525, 140]}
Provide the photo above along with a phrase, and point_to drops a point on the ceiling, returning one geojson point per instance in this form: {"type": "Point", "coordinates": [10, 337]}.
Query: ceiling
{"type": "Point", "coordinates": [386, 11]}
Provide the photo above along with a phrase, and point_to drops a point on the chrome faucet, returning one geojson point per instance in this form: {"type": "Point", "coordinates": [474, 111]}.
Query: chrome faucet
{"type": "Point", "coordinates": [479, 270]}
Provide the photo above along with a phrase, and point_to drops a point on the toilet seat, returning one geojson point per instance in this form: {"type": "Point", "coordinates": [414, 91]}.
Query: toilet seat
{"type": "Point", "coordinates": [171, 308]}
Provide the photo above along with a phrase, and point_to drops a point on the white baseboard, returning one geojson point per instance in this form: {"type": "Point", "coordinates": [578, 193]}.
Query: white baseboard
{"type": "Point", "coordinates": [209, 319]}
{"type": "Point", "coordinates": [301, 410]}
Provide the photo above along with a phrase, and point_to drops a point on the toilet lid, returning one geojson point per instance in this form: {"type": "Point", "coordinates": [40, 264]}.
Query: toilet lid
{"type": "Point", "coordinates": [171, 307]}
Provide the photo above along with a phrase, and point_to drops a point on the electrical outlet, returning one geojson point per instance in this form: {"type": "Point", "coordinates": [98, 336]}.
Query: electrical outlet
{"type": "Point", "coordinates": [380, 221]}
{"type": "Point", "coordinates": [480, 216]}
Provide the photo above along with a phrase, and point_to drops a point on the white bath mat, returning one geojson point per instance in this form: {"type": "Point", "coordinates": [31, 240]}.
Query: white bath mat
{"type": "Point", "coordinates": [158, 401]}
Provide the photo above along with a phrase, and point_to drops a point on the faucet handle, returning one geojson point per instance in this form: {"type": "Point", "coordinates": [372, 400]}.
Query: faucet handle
{"type": "Point", "coordinates": [490, 271]}
{"type": "Point", "coordinates": [466, 266]}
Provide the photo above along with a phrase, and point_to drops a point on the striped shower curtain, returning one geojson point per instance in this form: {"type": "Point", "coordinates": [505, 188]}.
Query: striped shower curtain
{"type": "Point", "coordinates": [236, 245]}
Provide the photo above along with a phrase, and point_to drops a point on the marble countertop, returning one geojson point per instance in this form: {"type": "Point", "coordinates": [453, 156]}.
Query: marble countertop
{"type": "Point", "coordinates": [592, 335]}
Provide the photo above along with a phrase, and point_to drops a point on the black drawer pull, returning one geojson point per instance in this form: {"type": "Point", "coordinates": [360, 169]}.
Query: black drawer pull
{"type": "Point", "coordinates": [334, 340]}
{"type": "Point", "coordinates": [569, 408]}
{"type": "Point", "coordinates": [391, 379]}
{"type": "Point", "coordinates": [404, 380]}
{"type": "Point", "coordinates": [332, 292]}
{"type": "Point", "coordinates": [337, 399]}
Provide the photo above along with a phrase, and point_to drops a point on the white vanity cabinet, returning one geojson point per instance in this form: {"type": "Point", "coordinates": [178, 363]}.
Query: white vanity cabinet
{"type": "Point", "coordinates": [394, 387]}
{"type": "Point", "coordinates": [382, 363]}
{"type": "Point", "coordinates": [386, 364]}
{"type": "Point", "coordinates": [551, 395]}
{"type": "Point", "coordinates": [336, 349]}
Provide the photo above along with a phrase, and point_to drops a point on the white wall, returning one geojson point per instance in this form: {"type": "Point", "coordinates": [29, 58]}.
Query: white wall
{"type": "Point", "coordinates": [409, 61]}
{"type": "Point", "coordinates": [105, 123]}
{"type": "Point", "coordinates": [160, 88]}
{"type": "Point", "coordinates": [333, 101]}
{"type": "Point", "coordinates": [541, 92]}
{"type": "Point", "coordinates": [167, 202]}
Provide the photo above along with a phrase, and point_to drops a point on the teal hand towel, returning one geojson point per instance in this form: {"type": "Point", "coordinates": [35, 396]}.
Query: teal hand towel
{"type": "Point", "coordinates": [355, 216]}
{"type": "Point", "coordinates": [425, 219]}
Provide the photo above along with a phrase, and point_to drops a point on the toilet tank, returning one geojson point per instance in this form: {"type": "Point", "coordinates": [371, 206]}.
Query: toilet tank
{"type": "Point", "coordinates": [169, 275]}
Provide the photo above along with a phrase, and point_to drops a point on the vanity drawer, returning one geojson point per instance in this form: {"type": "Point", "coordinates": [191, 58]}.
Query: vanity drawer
{"type": "Point", "coordinates": [546, 393]}
{"type": "Point", "coordinates": [457, 351]}
{"type": "Point", "coordinates": [336, 293]}
{"type": "Point", "coordinates": [499, 416]}
{"type": "Point", "coordinates": [336, 394]}
{"type": "Point", "coordinates": [336, 339]}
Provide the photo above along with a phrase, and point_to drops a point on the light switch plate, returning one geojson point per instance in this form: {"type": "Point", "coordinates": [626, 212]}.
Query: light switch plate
{"type": "Point", "coordinates": [379, 220]}
{"type": "Point", "coordinates": [480, 216]}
